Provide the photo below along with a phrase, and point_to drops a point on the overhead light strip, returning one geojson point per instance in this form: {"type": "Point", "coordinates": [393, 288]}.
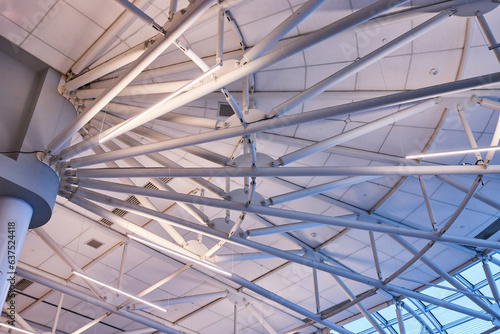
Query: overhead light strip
{"type": "Point", "coordinates": [117, 290]}
{"type": "Point", "coordinates": [185, 257]}
{"type": "Point", "coordinates": [16, 329]}
{"type": "Point", "coordinates": [439, 154]}
{"type": "Point", "coordinates": [171, 96]}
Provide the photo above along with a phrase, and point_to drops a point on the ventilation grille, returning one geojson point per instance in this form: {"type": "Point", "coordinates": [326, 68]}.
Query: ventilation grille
{"type": "Point", "coordinates": [489, 231]}
{"type": "Point", "coordinates": [23, 284]}
{"type": "Point", "coordinates": [119, 212]}
{"type": "Point", "coordinates": [106, 222]}
{"type": "Point", "coordinates": [149, 185]}
{"type": "Point", "coordinates": [132, 200]}
{"type": "Point", "coordinates": [94, 243]}
{"type": "Point", "coordinates": [225, 110]}
{"type": "Point", "coordinates": [165, 179]}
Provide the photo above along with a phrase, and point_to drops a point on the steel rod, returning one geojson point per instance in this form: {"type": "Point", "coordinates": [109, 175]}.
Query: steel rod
{"type": "Point", "coordinates": [279, 229]}
{"type": "Point", "coordinates": [316, 291]}
{"type": "Point", "coordinates": [135, 90]}
{"type": "Point", "coordinates": [219, 50]}
{"type": "Point", "coordinates": [375, 255]}
{"type": "Point", "coordinates": [179, 25]}
{"type": "Point", "coordinates": [122, 265]}
{"type": "Point", "coordinates": [470, 135]}
{"type": "Point", "coordinates": [359, 306]}
{"type": "Point", "coordinates": [141, 15]}
{"type": "Point", "coordinates": [109, 66]}
{"type": "Point", "coordinates": [355, 133]}
{"type": "Point", "coordinates": [350, 108]}
{"type": "Point", "coordinates": [447, 277]}
{"type": "Point", "coordinates": [247, 256]}
{"type": "Point", "coordinates": [70, 262]}
{"type": "Point", "coordinates": [58, 313]}
{"type": "Point", "coordinates": [461, 187]}
{"type": "Point", "coordinates": [297, 259]}
{"type": "Point", "coordinates": [359, 64]}
{"type": "Point", "coordinates": [261, 319]}
{"type": "Point", "coordinates": [399, 316]}
{"type": "Point", "coordinates": [108, 37]}
{"type": "Point", "coordinates": [240, 72]}
{"type": "Point", "coordinates": [93, 322]}
{"type": "Point", "coordinates": [281, 30]}
{"type": "Point", "coordinates": [180, 300]}
{"type": "Point", "coordinates": [335, 221]}
{"type": "Point", "coordinates": [491, 281]}
{"type": "Point", "coordinates": [488, 34]}
{"type": "Point", "coordinates": [317, 189]}
{"type": "Point", "coordinates": [428, 205]}
{"type": "Point", "coordinates": [494, 142]}
{"type": "Point", "coordinates": [94, 301]}
{"type": "Point", "coordinates": [83, 173]}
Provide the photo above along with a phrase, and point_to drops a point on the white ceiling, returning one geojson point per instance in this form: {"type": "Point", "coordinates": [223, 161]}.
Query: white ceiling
{"type": "Point", "coordinates": [59, 32]}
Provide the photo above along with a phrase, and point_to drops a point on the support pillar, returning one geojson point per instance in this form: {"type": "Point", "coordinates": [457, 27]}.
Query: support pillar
{"type": "Point", "coordinates": [15, 217]}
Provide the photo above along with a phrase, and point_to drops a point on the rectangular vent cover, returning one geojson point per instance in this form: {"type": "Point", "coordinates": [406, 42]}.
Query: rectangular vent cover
{"type": "Point", "coordinates": [106, 222]}
{"type": "Point", "coordinates": [225, 110]}
{"type": "Point", "coordinates": [94, 243]}
{"type": "Point", "coordinates": [489, 231]}
{"type": "Point", "coordinates": [23, 284]}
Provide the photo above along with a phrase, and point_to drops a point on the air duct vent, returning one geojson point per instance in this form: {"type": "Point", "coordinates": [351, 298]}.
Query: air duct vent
{"type": "Point", "coordinates": [489, 231]}
{"type": "Point", "coordinates": [119, 212]}
{"type": "Point", "coordinates": [149, 185]}
{"type": "Point", "coordinates": [106, 222]}
{"type": "Point", "coordinates": [165, 179]}
{"type": "Point", "coordinates": [132, 200]}
{"type": "Point", "coordinates": [94, 243]}
{"type": "Point", "coordinates": [23, 284]}
{"type": "Point", "coordinates": [225, 110]}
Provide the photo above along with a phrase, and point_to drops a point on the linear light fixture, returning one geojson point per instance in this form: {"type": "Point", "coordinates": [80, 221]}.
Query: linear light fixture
{"type": "Point", "coordinates": [15, 328]}
{"type": "Point", "coordinates": [171, 96]}
{"type": "Point", "coordinates": [185, 257]}
{"type": "Point", "coordinates": [439, 154]}
{"type": "Point", "coordinates": [117, 290]}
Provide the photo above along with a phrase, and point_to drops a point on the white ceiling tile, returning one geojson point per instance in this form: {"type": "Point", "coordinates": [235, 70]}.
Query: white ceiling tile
{"type": "Point", "coordinates": [11, 31]}
{"type": "Point", "coordinates": [25, 13]}
{"type": "Point", "coordinates": [47, 54]}
{"type": "Point", "coordinates": [35, 250]}
{"type": "Point", "coordinates": [104, 13]}
{"type": "Point", "coordinates": [61, 29]}
{"type": "Point", "coordinates": [423, 65]}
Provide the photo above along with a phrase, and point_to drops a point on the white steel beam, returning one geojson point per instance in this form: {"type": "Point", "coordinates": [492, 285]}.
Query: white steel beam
{"type": "Point", "coordinates": [281, 30]}
{"type": "Point", "coordinates": [284, 171]}
{"type": "Point", "coordinates": [108, 37]}
{"type": "Point", "coordinates": [358, 65]}
{"type": "Point", "coordinates": [355, 133]}
{"type": "Point", "coordinates": [94, 301]}
{"type": "Point", "coordinates": [359, 306]}
{"type": "Point", "coordinates": [240, 72]}
{"type": "Point", "coordinates": [179, 300]}
{"type": "Point", "coordinates": [242, 207]}
{"type": "Point", "coordinates": [178, 25]}
{"type": "Point", "coordinates": [349, 108]}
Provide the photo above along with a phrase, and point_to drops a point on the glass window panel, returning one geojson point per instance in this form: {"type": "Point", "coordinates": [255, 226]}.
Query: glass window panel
{"type": "Point", "coordinates": [388, 313]}
{"type": "Point", "coordinates": [466, 302]}
{"type": "Point", "coordinates": [472, 326]}
{"type": "Point", "coordinates": [445, 316]}
{"type": "Point", "coordinates": [358, 325]}
{"type": "Point", "coordinates": [474, 274]}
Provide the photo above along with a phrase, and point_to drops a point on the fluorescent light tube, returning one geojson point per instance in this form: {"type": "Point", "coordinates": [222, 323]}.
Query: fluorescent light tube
{"type": "Point", "coordinates": [171, 96]}
{"type": "Point", "coordinates": [185, 257]}
{"type": "Point", "coordinates": [15, 328]}
{"type": "Point", "coordinates": [117, 290]}
{"type": "Point", "coordinates": [439, 154]}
